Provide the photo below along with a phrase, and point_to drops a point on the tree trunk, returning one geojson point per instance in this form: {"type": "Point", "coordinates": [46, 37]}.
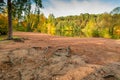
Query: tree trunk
{"type": "Point", "coordinates": [9, 19]}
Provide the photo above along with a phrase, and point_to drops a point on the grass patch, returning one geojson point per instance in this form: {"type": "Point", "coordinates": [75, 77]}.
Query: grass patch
{"type": "Point", "coordinates": [17, 39]}
{"type": "Point", "coordinates": [3, 37]}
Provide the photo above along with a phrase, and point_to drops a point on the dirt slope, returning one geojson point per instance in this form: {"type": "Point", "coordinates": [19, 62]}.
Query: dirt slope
{"type": "Point", "coordinates": [45, 57]}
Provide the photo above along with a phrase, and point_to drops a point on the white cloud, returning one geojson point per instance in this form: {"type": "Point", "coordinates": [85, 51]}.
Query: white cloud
{"type": "Point", "coordinates": [75, 7]}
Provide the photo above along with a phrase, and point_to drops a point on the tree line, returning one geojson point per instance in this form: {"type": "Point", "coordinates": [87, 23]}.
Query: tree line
{"type": "Point", "coordinates": [104, 25]}
{"type": "Point", "coordinates": [90, 25]}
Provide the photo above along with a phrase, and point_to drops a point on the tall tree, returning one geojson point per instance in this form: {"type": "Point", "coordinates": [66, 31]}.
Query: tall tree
{"type": "Point", "coordinates": [15, 6]}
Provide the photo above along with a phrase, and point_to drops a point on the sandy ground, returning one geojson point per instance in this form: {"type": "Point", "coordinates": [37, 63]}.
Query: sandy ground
{"type": "Point", "coordinates": [45, 57]}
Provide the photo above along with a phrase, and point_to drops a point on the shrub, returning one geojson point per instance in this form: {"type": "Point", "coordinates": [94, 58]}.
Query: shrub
{"type": "Point", "coordinates": [104, 33]}
{"type": "Point", "coordinates": [3, 30]}
{"type": "Point", "coordinates": [3, 25]}
{"type": "Point", "coordinates": [95, 33]}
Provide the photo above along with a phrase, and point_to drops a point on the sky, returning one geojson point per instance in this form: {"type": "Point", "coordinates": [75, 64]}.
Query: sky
{"type": "Point", "coordinates": [76, 7]}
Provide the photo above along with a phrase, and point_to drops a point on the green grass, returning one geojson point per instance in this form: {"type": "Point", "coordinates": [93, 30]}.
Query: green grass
{"type": "Point", "coordinates": [3, 37]}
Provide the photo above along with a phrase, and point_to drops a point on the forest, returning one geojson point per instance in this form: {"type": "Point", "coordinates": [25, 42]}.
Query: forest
{"type": "Point", "coordinates": [105, 25]}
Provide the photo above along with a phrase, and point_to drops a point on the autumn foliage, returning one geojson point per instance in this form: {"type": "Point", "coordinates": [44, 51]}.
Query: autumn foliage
{"type": "Point", "coordinates": [3, 24]}
{"type": "Point", "coordinates": [84, 25]}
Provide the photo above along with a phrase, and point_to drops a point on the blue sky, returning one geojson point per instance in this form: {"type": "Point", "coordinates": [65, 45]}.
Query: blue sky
{"type": "Point", "coordinates": [75, 7]}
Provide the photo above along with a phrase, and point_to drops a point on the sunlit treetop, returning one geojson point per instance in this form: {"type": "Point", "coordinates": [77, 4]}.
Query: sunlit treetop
{"type": "Point", "coordinates": [115, 10]}
{"type": "Point", "coordinates": [22, 5]}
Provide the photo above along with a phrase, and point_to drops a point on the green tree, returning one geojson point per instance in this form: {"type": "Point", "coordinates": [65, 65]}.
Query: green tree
{"type": "Point", "coordinates": [20, 6]}
{"type": "Point", "coordinates": [115, 11]}
{"type": "Point", "coordinates": [50, 24]}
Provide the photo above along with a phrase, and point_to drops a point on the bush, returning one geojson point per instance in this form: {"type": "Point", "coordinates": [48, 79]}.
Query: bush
{"type": "Point", "coordinates": [20, 28]}
{"type": "Point", "coordinates": [104, 33]}
{"type": "Point", "coordinates": [95, 33]}
{"type": "Point", "coordinates": [3, 30]}
{"type": "Point", "coordinates": [3, 25]}
{"type": "Point", "coordinates": [115, 36]}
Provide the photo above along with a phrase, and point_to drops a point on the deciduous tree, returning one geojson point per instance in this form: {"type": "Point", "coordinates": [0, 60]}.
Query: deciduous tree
{"type": "Point", "coordinates": [16, 8]}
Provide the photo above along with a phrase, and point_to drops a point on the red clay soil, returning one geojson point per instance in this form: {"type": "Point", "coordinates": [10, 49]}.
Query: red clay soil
{"type": "Point", "coordinates": [61, 58]}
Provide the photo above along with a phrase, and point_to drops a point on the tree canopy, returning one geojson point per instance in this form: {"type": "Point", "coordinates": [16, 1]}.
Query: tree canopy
{"type": "Point", "coordinates": [115, 10]}
{"type": "Point", "coordinates": [18, 7]}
